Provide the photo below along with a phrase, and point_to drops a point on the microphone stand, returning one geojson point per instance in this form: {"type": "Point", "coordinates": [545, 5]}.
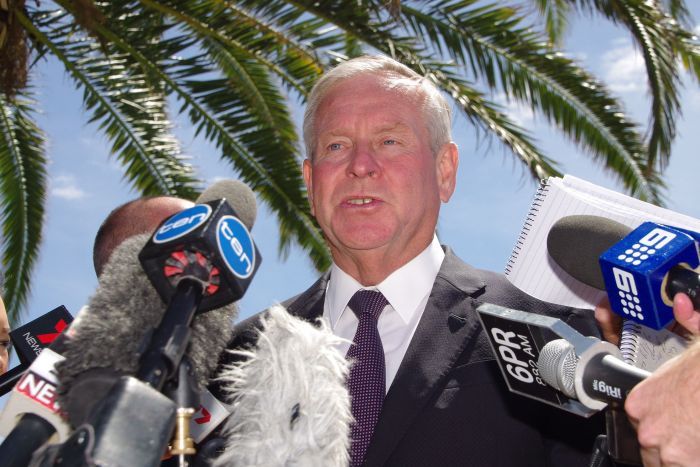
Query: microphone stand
{"type": "Point", "coordinates": [619, 446]}
{"type": "Point", "coordinates": [185, 395]}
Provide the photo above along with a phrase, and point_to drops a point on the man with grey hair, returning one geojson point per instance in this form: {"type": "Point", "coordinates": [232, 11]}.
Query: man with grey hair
{"type": "Point", "coordinates": [425, 387]}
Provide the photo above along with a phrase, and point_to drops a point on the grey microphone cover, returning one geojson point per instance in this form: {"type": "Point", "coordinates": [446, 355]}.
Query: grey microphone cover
{"type": "Point", "coordinates": [239, 196]}
{"type": "Point", "coordinates": [576, 242]}
{"type": "Point", "coordinates": [108, 334]}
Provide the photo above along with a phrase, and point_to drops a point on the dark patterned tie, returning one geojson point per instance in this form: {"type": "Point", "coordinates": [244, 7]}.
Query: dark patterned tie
{"type": "Point", "coordinates": [367, 380]}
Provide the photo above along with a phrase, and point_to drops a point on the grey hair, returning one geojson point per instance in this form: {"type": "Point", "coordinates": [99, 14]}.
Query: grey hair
{"type": "Point", "coordinates": [436, 110]}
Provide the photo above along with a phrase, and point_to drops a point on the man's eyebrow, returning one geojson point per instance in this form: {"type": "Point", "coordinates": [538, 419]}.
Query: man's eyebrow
{"type": "Point", "coordinates": [398, 126]}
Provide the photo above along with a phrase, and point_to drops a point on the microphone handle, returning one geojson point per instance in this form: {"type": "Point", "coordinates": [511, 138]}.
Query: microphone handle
{"type": "Point", "coordinates": [169, 340]}
{"type": "Point", "coordinates": [10, 378]}
{"type": "Point", "coordinates": [609, 379]}
{"type": "Point", "coordinates": [30, 433]}
{"type": "Point", "coordinates": [684, 280]}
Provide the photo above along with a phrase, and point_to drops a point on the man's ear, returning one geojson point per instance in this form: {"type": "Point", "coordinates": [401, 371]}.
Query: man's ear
{"type": "Point", "coordinates": [447, 163]}
{"type": "Point", "coordinates": [307, 172]}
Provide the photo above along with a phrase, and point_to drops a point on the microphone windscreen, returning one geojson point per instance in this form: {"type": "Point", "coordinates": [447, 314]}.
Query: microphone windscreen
{"type": "Point", "coordinates": [576, 242]}
{"type": "Point", "coordinates": [239, 196]}
{"type": "Point", "coordinates": [109, 336]}
{"type": "Point", "coordinates": [290, 403]}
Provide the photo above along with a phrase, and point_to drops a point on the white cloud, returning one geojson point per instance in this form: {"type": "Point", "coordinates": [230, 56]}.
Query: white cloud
{"type": "Point", "coordinates": [623, 68]}
{"type": "Point", "coordinates": [519, 113]}
{"type": "Point", "coordinates": [66, 187]}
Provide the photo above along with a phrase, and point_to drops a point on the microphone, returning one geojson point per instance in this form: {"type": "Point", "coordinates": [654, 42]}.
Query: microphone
{"type": "Point", "coordinates": [544, 351]}
{"type": "Point", "coordinates": [30, 339]}
{"type": "Point", "coordinates": [642, 269]}
{"type": "Point", "coordinates": [209, 243]}
{"type": "Point", "coordinates": [127, 313]}
{"type": "Point", "coordinates": [290, 403]}
{"type": "Point", "coordinates": [31, 416]}
{"type": "Point", "coordinates": [545, 359]}
{"type": "Point", "coordinates": [126, 306]}
{"type": "Point", "coordinates": [600, 377]}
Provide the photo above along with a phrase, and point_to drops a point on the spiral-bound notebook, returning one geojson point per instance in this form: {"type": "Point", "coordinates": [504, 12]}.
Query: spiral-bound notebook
{"type": "Point", "coordinates": [531, 269]}
{"type": "Point", "coordinates": [646, 348]}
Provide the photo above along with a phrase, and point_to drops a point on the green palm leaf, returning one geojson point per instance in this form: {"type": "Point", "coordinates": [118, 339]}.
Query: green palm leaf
{"type": "Point", "coordinates": [658, 35]}
{"type": "Point", "coordinates": [493, 45]}
{"type": "Point", "coordinates": [22, 196]}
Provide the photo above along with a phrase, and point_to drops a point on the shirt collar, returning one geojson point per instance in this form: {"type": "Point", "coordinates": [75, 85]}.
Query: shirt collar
{"type": "Point", "coordinates": [404, 288]}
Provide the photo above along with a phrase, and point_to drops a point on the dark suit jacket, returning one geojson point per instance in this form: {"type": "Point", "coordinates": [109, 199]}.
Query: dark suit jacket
{"type": "Point", "coordinates": [449, 404]}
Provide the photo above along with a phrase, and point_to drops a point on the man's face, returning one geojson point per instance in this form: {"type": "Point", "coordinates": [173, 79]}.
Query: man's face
{"type": "Point", "coordinates": [374, 184]}
{"type": "Point", "coordinates": [4, 339]}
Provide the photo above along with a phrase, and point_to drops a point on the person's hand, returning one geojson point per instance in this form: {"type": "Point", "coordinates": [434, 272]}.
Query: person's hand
{"type": "Point", "coordinates": [665, 411]}
{"type": "Point", "coordinates": [686, 324]}
{"type": "Point", "coordinates": [609, 323]}
{"type": "Point", "coordinates": [687, 320]}
{"type": "Point", "coordinates": [665, 408]}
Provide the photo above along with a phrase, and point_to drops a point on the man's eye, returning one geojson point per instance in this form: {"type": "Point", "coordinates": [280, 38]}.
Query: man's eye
{"type": "Point", "coordinates": [334, 146]}
{"type": "Point", "coordinates": [5, 345]}
{"type": "Point", "coordinates": [389, 142]}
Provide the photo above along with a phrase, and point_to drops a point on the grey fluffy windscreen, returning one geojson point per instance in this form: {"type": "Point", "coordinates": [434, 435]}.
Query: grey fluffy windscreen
{"type": "Point", "coordinates": [239, 196]}
{"type": "Point", "coordinates": [576, 242]}
{"type": "Point", "coordinates": [121, 311]}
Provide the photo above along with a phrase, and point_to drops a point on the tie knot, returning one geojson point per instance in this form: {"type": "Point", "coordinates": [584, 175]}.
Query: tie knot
{"type": "Point", "coordinates": [367, 303]}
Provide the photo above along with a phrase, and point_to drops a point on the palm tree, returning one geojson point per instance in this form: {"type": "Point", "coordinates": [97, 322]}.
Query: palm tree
{"type": "Point", "coordinates": [232, 68]}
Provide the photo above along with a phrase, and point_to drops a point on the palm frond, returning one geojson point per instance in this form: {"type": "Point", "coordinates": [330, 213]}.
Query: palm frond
{"type": "Point", "coordinates": [244, 115]}
{"type": "Point", "coordinates": [128, 110]}
{"type": "Point", "coordinates": [660, 40]}
{"type": "Point", "coordinates": [22, 196]}
{"type": "Point", "coordinates": [555, 14]}
{"type": "Point", "coordinates": [491, 42]}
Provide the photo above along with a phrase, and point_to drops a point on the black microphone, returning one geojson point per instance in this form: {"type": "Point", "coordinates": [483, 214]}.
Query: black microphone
{"type": "Point", "coordinates": [599, 377]}
{"type": "Point", "coordinates": [641, 269]}
{"type": "Point", "coordinates": [124, 310]}
{"type": "Point", "coordinates": [31, 416]}
{"type": "Point", "coordinates": [594, 378]}
{"type": "Point", "coordinates": [127, 313]}
{"type": "Point", "coordinates": [535, 349]}
{"type": "Point", "coordinates": [543, 358]}
{"type": "Point", "coordinates": [30, 339]}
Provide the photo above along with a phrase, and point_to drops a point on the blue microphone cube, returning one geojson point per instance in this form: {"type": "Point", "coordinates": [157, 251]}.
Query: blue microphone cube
{"type": "Point", "coordinates": [635, 270]}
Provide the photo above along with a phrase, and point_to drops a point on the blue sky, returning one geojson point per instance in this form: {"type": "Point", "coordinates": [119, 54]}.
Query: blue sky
{"type": "Point", "coordinates": [481, 222]}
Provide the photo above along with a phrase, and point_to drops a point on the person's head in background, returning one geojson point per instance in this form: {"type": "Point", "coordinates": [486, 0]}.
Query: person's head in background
{"type": "Point", "coordinates": [139, 216]}
{"type": "Point", "coordinates": [4, 333]}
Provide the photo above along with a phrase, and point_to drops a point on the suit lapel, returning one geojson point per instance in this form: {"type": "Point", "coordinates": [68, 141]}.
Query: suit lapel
{"type": "Point", "coordinates": [447, 324]}
{"type": "Point", "coordinates": [309, 304]}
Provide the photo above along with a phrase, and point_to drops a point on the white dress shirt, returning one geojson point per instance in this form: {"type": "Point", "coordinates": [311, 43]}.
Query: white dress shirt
{"type": "Point", "coordinates": [407, 290]}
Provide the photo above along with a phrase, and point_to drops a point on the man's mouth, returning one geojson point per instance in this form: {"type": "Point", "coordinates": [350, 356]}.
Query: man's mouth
{"type": "Point", "coordinates": [359, 201]}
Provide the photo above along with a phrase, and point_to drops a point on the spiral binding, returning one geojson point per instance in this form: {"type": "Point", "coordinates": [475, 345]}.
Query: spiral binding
{"type": "Point", "coordinates": [529, 220]}
{"type": "Point", "coordinates": [629, 342]}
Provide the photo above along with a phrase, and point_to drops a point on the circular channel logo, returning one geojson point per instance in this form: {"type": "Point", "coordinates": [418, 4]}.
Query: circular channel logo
{"type": "Point", "coordinates": [182, 223]}
{"type": "Point", "coordinates": [236, 246]}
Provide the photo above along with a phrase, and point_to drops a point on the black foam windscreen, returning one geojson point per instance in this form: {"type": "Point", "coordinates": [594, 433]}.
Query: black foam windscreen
{"type": "Point", "coordinates": [576, 242]}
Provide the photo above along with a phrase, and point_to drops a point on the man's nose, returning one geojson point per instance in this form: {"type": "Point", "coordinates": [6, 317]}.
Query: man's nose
{"type": "Point", "coordinates": [363, 162]}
